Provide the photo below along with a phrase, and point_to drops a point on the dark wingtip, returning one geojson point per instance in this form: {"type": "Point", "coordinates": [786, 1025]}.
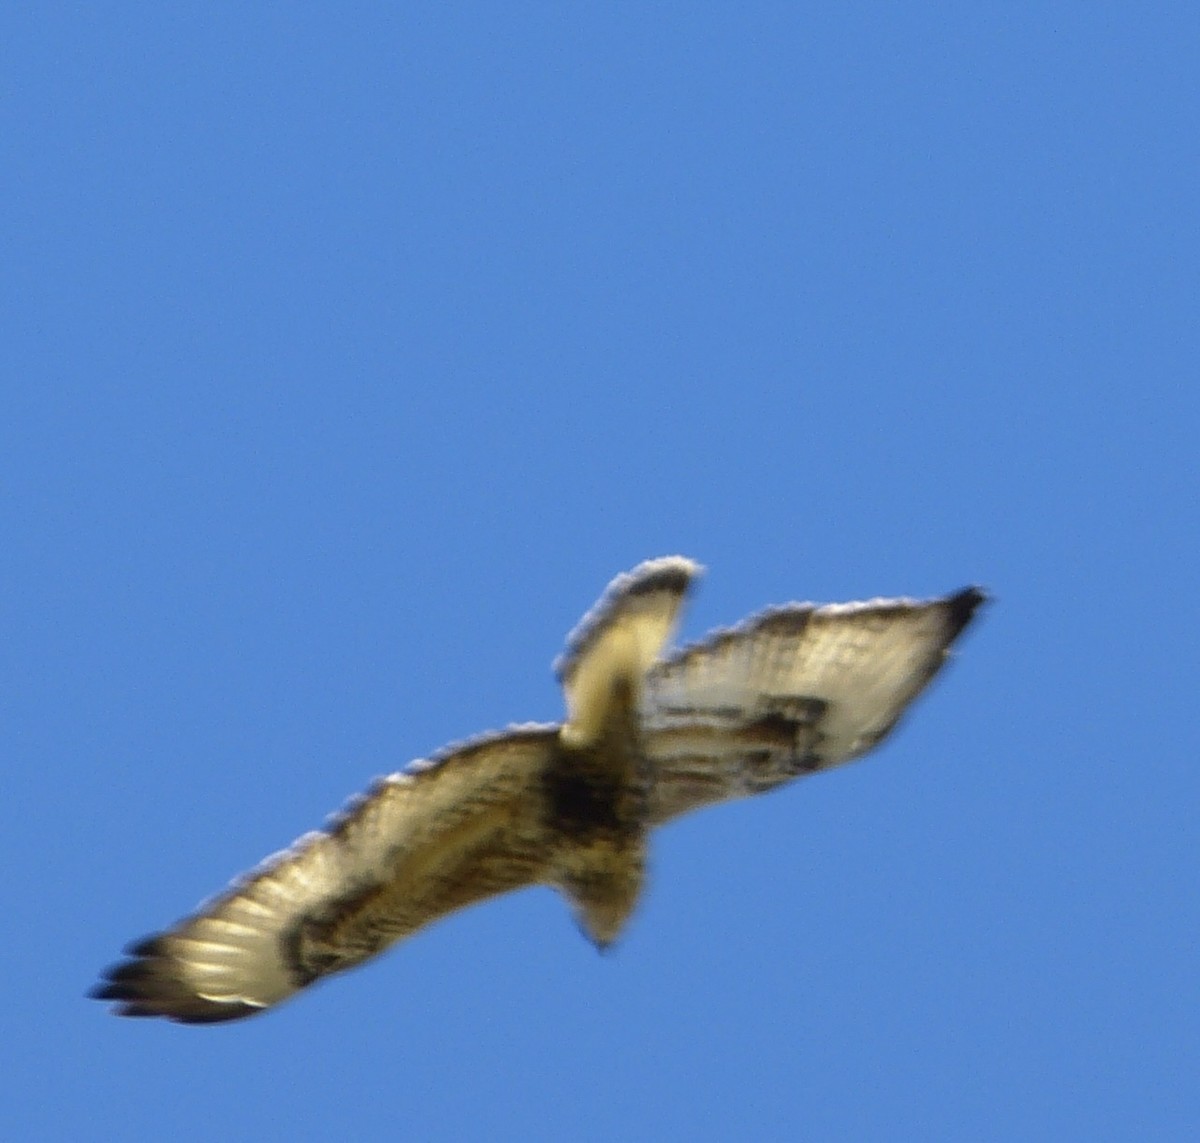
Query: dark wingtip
{"type": "Point", "coordinates": [125, 982]}
{"type": "Point", "coordinates": [143, 986]}
{"type": "Point", "coordinates": [961, 608]}
{"type": "Point", "coordinates": [146, 946]}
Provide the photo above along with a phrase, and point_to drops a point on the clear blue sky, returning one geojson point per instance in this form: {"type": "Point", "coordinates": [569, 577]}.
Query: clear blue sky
{"type": "Point", "coordinates": [348, 352]}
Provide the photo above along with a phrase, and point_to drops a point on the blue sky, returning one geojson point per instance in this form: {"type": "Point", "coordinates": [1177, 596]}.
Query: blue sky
{"type": "Point", "coordinates": [350, 351]}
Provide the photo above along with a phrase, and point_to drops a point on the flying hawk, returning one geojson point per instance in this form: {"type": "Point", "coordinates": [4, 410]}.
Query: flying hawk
{"type": "Point", "coordinates": [788, 692]}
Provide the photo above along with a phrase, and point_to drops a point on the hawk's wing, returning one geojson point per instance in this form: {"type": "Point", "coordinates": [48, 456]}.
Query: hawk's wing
{"type": "Point", "coordinates": [419, 845]}
{"type": "Point", "coordinates": [793, 690]}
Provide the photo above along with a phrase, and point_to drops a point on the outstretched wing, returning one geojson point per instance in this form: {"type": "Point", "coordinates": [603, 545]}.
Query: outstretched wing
{"type": "Point", "coordinates": [467, 826]}
{"type": "Point", "coordinates": [791, 691]}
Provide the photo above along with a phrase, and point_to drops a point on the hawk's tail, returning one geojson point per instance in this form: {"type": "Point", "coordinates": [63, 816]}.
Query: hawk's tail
{"type": "Point", "coordinates": [619, 639]}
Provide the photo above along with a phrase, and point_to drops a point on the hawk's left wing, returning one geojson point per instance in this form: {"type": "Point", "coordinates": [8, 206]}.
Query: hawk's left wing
{"type": "Point", "coordinates": [794, 690]}
{"type": "Point", "coordinates": [419, 845]}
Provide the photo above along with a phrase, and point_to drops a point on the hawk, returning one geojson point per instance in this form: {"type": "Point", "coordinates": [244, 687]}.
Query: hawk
{"type": "Point", "coordinates": [788, 692]}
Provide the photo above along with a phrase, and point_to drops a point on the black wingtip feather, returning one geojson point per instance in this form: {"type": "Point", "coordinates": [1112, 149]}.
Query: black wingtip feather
{"type": "Point", "coordinates": [142, 987]}
{"type": "Point", "coordinates": [146, 946]}
{"type": "Point", "coordinates": [961, 608]}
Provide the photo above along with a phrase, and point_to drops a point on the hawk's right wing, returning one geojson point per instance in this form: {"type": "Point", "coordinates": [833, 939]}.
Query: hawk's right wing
{"type": "Point", "coordinates": [794, 690]}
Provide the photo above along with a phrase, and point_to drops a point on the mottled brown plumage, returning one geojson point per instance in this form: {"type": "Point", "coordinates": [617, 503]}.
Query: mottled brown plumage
{"type": "Point", "coordinates": [792, 691]}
